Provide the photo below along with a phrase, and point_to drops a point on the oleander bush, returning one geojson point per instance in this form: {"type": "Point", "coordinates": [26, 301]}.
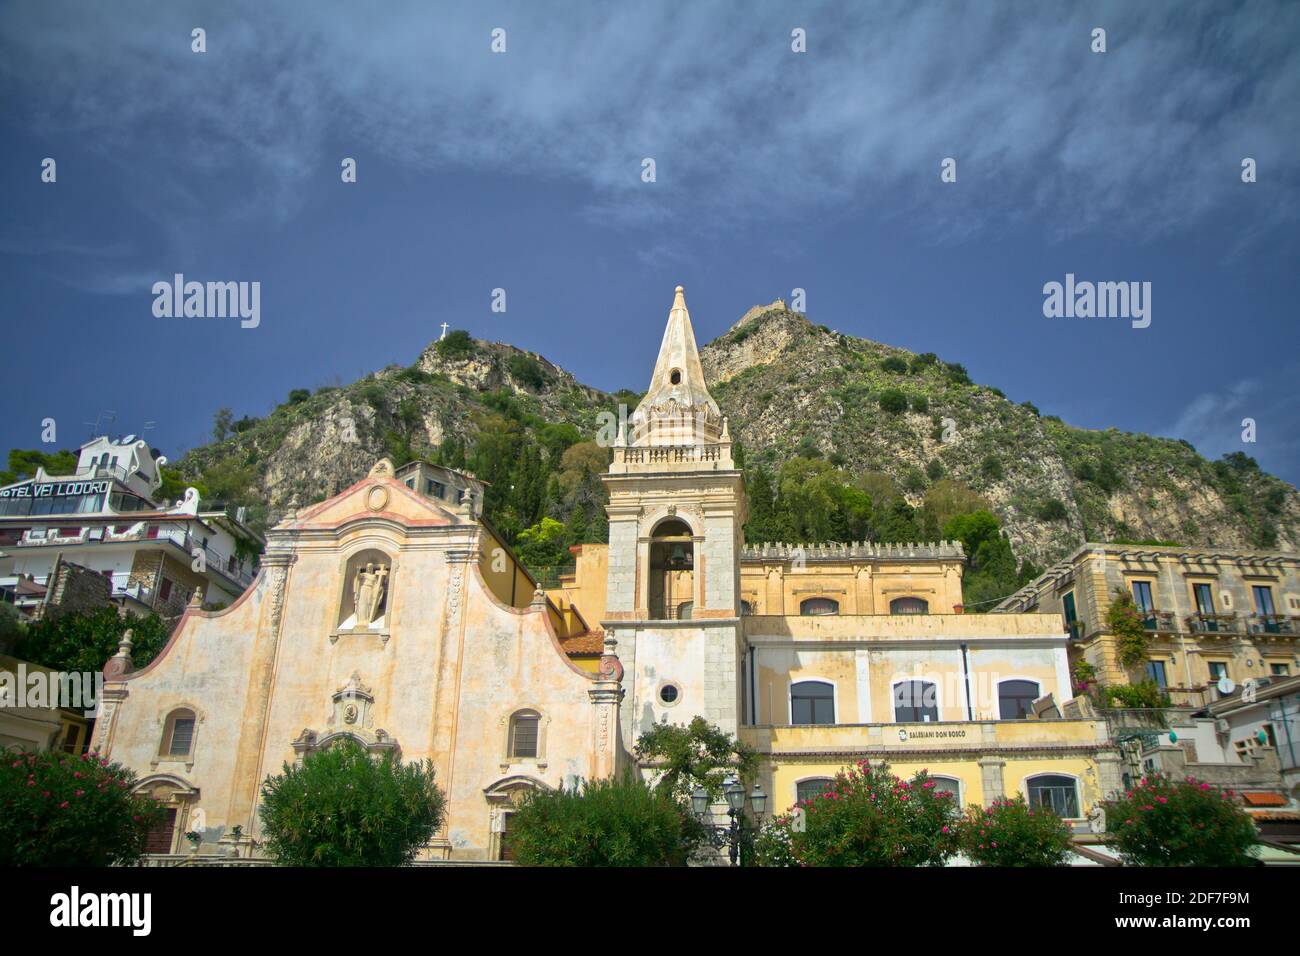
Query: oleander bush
{"type": "Point", "coordinates": [59, 809]}
{"type": "Point", "coordinates": [1011, 833]}
{"type": "Point", "coordinates": [1163, 822]}
{"type": "Point", "coordinates": [342, 807]}
{"type": "Point", "coordinates": [866, 817]}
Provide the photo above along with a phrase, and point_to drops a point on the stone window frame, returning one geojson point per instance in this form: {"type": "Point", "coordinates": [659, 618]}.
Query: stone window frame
{"type": "Point", "coordinates": [669, 682]}
{"type": "Point", "coordinates": [909, 597]}
{"type": "Point", "coordinates": [820, 597]}
{"type": "Point", "coordinates": [508, 759]}
{"type": "Point", "coordinates": [165, 734]}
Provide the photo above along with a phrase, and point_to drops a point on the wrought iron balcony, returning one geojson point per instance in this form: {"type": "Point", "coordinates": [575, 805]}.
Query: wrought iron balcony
{"type": "Point", "coordinates": [1273, 624]}
{"type": "Point", "coordinates": [1213, 623]}
{"type": "Point", "coordinates": [1154, 620]}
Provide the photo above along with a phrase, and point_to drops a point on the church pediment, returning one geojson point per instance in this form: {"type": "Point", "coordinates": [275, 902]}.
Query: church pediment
{"type": "Point", "coordinates": [379, 494]}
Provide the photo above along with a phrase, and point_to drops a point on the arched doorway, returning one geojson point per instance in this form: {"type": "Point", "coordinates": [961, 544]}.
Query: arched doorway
{"type": "Point", "coordinates": [672, 571]}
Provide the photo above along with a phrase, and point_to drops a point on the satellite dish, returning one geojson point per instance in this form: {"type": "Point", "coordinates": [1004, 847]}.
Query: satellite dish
{"type": "Point", "coordinates": [1225, 685]}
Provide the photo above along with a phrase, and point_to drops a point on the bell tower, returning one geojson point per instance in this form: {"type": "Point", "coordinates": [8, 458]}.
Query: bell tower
{"type": "Point", "coordinates": [676, 510]}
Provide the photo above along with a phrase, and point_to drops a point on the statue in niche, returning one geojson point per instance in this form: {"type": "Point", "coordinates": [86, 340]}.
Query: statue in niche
{"type": "Point", "coordinates": [368, 593]}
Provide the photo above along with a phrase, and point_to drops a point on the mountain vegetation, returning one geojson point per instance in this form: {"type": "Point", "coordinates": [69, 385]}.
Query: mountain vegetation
{"type": "Point", "coordinates": [841, 439]}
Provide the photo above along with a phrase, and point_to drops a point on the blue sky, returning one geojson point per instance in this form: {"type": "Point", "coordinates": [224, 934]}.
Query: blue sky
{"type": "Point", "coordinates": [522, 170]}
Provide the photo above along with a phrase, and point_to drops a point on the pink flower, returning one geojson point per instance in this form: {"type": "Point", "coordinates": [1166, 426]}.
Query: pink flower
{"type": "Point", "coordinates": [1163, 799]}
{"type": "Point", "coordinates": [80, 793]}
{"type": "Point", "coordinates": [995, 844]}
{"type": "Point", "coordinates": [945, 829]}
{"type": "Point", "coordinates": [63, 805]}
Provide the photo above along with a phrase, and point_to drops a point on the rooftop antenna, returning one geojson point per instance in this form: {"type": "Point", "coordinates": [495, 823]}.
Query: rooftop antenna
{"type": "Point", "coordinates": [105, 417]}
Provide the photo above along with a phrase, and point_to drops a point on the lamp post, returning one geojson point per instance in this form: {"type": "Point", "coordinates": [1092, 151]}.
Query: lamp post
{"type": "Point", "coordinates": [734, 794]}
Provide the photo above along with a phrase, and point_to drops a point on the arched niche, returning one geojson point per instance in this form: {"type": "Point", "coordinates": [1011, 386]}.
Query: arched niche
{"type": "Point", "coordinates": [367, 591]}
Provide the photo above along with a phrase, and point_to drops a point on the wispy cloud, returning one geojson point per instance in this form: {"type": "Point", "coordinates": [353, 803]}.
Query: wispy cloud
{"type": "Point", "coordinates": [1215, 421]}
{"type": "Point", "coordinates": [1146, 138]}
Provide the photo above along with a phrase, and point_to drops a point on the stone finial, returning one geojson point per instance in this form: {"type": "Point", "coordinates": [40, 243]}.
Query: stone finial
{"type": "Point", "coordinates": [120, 663]}
{"type": "Point", "coordinates": [196, 599]}
{"type": "Point", "coordinates": [726, 429]}
{"type": "Point", "coordinates": [539, 598]}
{"type": "Point", "coordinates": [383, 468]}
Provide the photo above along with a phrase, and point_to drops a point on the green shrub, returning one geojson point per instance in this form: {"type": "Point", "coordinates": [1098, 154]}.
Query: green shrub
{"type": "Point", "coordinates": [991, 468]}
{"type": "Point", "coordinates": [621, 822]}
{"type": "Point", "coordinates": [527, 371]}
{"type": "Point", "coordinates": [85, 641]}
{"type": "Point", "coordinates": [1185, 823]}
{"type": "Point", "coordinates": [457, 346]}
{"type": "Point", "coordinates": [934, 469]}
{"type": "Point", "coordinates": [894, 364]}
{"type": "Point", "coordinates": [1012, 833]}
{"type": "Point", "coordinates": [299, 395]}
{"type": "Point", "coordinates": [956, 373]}
{"type": "Point", "coordinates": [1143, 694]}
{"type": "Point", "coordinates": [57, 809]}
{"type": "Point", "coordinates": [920, 404]}
{"type": "Point", "coordinates": [869, 817]}
{"type": "Point", "coordinates": [341, 807]}
{"type": "Point", "coordinates": [1053, 509]}
{"type": "Point", "coordinates": [893, 401]}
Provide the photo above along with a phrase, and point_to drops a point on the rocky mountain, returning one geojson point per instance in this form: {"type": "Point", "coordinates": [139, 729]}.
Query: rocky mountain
{"type": "Point", "coordinates": [790, 388]}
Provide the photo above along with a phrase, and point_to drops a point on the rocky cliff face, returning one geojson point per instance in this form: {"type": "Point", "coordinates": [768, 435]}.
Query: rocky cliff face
{"type": "Point", "coordinates": [789, 387]}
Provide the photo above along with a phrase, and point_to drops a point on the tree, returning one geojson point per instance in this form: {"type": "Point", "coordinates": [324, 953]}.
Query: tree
{"type": "Point", "coordinates": [221, 423]}
{"type": "Point", "coordinates": [696, 755]}
{"type": "Point", "coordinates": [867, 817]}
{"type": "Point", "coordinates": [299, 395]}
{"type": "Point", "coordinates": [945, 500]}
{"type": "Point", "coordinates": [543, 545]}
{"type": "Point", "coordinates": [619, 822]}
{"type": "Point", "coordinates": [1012, 833]}
{"type": "Point", "coordinates": [57, 809]}
{"type": "Point", "coordinates": [85, 640]}
{"type": "Point", "coordinates": [1161, 822]}
{"type": "Point", "coordinates": [24, 462]}
{"type": "Point", "coordinates": [341, 807]}
{"type": "Point", "coordinates": [456, 346]}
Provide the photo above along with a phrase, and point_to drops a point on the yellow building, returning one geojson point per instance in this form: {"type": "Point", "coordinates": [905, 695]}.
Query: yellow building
{"type": "Point", "coordinates": [817, 654]}
{"type": "Point", "coordinates": [1210, 613]}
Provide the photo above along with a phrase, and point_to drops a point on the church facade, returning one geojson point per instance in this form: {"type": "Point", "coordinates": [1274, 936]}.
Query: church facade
{"type": "Point", "coordinates": [380, 616]}
{"type": "Point", "coordinates": [400, 621]}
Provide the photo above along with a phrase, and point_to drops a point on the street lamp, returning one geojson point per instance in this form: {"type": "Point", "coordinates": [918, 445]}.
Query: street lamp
{"type": "Point", "coordinates": [734, 793]}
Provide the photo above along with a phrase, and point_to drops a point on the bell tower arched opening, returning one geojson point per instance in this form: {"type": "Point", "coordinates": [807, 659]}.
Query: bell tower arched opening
{"type": "Point", "coordinates": [672, 571]}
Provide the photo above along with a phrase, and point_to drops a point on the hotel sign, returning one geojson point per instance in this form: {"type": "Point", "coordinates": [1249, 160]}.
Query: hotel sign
{"type": "Point", "coordinates": [53, 489]}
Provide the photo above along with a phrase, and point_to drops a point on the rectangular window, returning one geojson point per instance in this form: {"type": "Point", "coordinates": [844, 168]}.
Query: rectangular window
{"type": "Point", "coordinates": [165, 589]}
{"type": "Point", "coordinates": [524, 737]}
{"type": "Point", "coordinates": [1204, 596]}
{"type": "Point", "coordinates": [1263, 599]}
{"type": "Point", "coordinates": [1067, 605]}
{"type": "Point", "coordinates": [1142, 596]}
{"type": "Point", "coordinates": [1218, 669]}
{"type": "Point", "coordinates": [182, 736]}
{"type": "Point", "coordinates": [1156, 672]}
{"type": "Point", "coordinates": [1280, 670]}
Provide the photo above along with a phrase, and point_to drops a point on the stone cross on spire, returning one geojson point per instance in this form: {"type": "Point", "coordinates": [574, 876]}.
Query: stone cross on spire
{"type": "Point", "coordinates": [677, 409]}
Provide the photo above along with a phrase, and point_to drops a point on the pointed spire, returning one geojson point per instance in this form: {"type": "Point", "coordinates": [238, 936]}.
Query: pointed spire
{"type": "Point", "coordinates": [677, 408]}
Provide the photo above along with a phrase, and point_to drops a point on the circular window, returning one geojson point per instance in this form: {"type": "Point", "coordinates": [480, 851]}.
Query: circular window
{"type": "Point", "coordinates": [675, 376]}
{"type": "Point", "coordinates": [669, 693]}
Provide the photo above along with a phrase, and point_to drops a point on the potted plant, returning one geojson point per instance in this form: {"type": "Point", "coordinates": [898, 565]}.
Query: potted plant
{"type": "Point", "coordinates": [195, 838]}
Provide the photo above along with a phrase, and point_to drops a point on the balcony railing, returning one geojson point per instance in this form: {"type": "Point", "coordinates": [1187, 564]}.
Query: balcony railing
{"type": "Point", "coordinates": [1154, 620]}
{"type": "Point", "coordinates": [1273, 624]}
{"type": "Point", "coordinates": [1213, 623]}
